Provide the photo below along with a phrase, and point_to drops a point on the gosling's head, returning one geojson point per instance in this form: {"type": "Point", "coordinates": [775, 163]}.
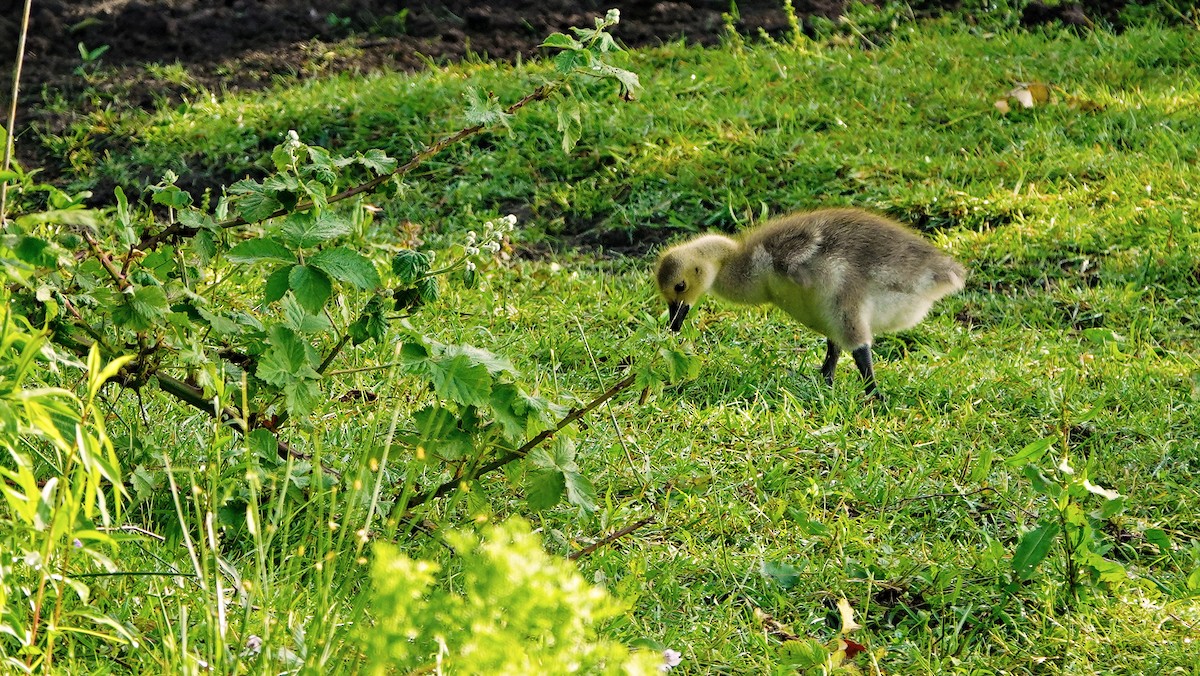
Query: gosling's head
{"type": "Point", "coordinates": [684, 275]}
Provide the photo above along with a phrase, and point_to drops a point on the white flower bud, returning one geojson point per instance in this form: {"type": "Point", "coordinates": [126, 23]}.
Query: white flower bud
{"type": "Point", "coordinates": [470, 266]}
{"type": "Point", "coordinates": [613, 16]}
{"type": "Point", "coordinates": [472, 251]}
{"type": "Point", "coordinates": [511, 219]}
{"type": "Point", "coordinates": [492, 246]}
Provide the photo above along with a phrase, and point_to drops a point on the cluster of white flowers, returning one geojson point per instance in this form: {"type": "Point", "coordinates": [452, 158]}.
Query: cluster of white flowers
{"type": "Point", "coordinates": [613, 17]}
{"type": "Point", "coordinates": [493, 235]}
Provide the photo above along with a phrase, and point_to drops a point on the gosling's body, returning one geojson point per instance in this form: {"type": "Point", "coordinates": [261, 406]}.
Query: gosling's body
{"type": "Point", "coordinates": [846, 273]}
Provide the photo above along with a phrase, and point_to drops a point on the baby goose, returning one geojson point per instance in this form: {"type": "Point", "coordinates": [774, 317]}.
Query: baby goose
{"type": "Point", "coordinates": [846, 273]}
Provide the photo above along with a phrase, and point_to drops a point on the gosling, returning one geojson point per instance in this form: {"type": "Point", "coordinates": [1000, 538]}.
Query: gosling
{"type": "Point", "coordinates": [846, 273]}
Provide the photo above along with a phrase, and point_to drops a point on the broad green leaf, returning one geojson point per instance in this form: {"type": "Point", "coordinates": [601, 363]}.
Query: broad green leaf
{"type": "Point", "coordinates": [580, 491]}
{"type": "Point", "coordinates": [287, 359]}
{"type": "Point", "coordinates": [561, 41]}
{"type": "Point", "coordinates": [1033, 549]}
{"type": "Point", "coordinates": [141, 309]}
{"type": "Point", "coordinates": [305, 229]}
{"type": "Point", "coordinates": [172, 196]}
{"type": "Point", "coordinates": [311, 286]}
{"type": "Point", "coordinates": [545, 489]}
{"type": "Point", "coordinates": [782, 573]}
{"type": "Point", "coordinates": [301, 320]}
{"type": "Point", "coordinates": [346, 265]}
{"type": "Point", "coordinates": [440, 434]}
{"type": "Point", "coordinates": [495, 363]}
{"type": "Point", "coordinates": [263, 443]}
{"type": "Point", "coordinates": [1193, 580]}
{"type": "Point", "coordinates": [377, 161]}
{"type": "Point", "coordinates": [262, 249]}
{"type": "Point", "coordinates": [371, 324]}
{"type": "Point", "coordinates": [301, 397]}
{"type": "Point", "coordinates": [83, 217]}
{"type": "Point", "coordinates": [409, 266]}
{"type": "Point", "coordinates": [427, 289]}
{"type": "Point", "coordinates": [1159, 538]}
{"type": "Point", "coordinates": [252, 201]}
{"type": "Point", "coordinates": [1031, 453]}
{"type": "Point", "coordinates": [567, 61]}
{"type": "Point", "coordinates": [460, 379]}
{"type": "Point", "coordinates": [277, 284]}
{"type": "Point", "coordinates": [570, 124]}
{"type": "Point", "coordinates": [680, 365]}
{"type": "Point", "coordinates": [36, 252]}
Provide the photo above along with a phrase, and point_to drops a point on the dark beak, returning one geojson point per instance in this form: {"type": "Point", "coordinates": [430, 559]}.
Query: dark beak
{"type": "Point", "coordinates": [677, 311]}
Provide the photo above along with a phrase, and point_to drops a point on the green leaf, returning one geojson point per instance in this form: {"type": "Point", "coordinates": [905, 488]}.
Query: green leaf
{"type": "Point", "coordinates": [370, 324]}
{"type": "Point", "coordinates": [409, 266]}
{"type": "Point", "coordinates": [782, 573]}
{"type": "Point", "coordinates": [1158, 537]}
{"type": "Point", "coordinates": [142, 308]}
{"type": "Point", "coordinates": [1031, 453]}
{"type": "Point", "coordinates": [304, 230]}
{"type": "Point", "coordinates": [427, 289]}
{"type": "Point", "coordinates": [570, 124]}
{"type": "Point", "coordinates": [262, 249]}
{"type": "Point", "coordinates": [462, 380]}
{"type": "Point", "coordinates": [1033, 549]}
{"type": "Point", "coordinates": [545, 489]}
{"type": "Point", "coordinates": [220, 325]}
{"type": "Point", "coordinates": [483, 109]}
{"type": "Point", "coordinates": [561, 41]}
{"type": "Point", "coordinates": [287, 359]}
{"type": "Point", "coordinates": [301, 397]}
{"type": "Point", "coordinates": [172, 196]}
{"type": "Point", "coordinates": [36, 252]}
{"type": "Point", "coordinates": [1040, 483]}
{"type": "Point", "coordinates": [301, 320]}
{"type": "Point", "coordinates": [680, 365]}
{"type": "Point", "coordinates": [252, 201]}
{"type": "Point", "coordinates": [277, 284]}
{"type": "Point", "coordinates": [311, 286]}
{"type": "Point", "coordinates": [1193, 580]}
{"type": "Point", "coordinates": [441, 434]}
{"type": "Point", "coordinates": [346, 265]}
{"type": "Point", "coordinates": [567, 61]}
{"type": "Point", "coordinates": [377, 161]}
{"type": "Point", "coordinates": [263, 443]}
{"type": "Point", "coordinates": [580, 491]}
{"type": "Point", "coordinates": [495, 364]}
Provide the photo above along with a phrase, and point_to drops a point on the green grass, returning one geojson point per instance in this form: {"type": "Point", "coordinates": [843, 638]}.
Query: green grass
{"type": "Point", "coordinates": [1079, 324]}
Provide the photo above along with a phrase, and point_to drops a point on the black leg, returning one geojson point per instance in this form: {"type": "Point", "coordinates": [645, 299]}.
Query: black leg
{"type": "Point", "coordinates": [832, 352]}
{"type": "Point", "coordinates": [862, 357]}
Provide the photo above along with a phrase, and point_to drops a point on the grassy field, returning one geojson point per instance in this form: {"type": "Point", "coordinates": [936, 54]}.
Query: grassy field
{"type": "Point", "coordinates": [772, 496]}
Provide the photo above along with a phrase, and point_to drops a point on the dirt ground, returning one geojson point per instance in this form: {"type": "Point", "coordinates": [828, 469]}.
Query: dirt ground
{"type": "Point", "coordinates": [246, 44]}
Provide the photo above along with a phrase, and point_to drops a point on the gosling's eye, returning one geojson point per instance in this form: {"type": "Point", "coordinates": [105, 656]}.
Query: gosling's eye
{"type": "Point", "coordinates": [680, 287]}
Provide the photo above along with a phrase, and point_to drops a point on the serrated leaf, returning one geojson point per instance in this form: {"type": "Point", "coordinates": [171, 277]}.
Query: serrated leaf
{"type": "Point", "coordinates": [346, 265]}
{"type": "Point", "coordinates": [288, 358]}
{"type": "Point", "coordinates": [495, 364]}
{"type": "Point", "coordinates": [1031, 453]}
{"type": "Point", "coordinates": [145, 482]}
{"type": "Point", "coordinates": [263, 443]}
{"type": "Point", "coordinates": [219, 324]}
{"type": "Point", "coordinates": [484, 110]}
{"type": "Point", "coordinates": [142, 308]}
{"type": "Point", "coordinates": [277, 284]}
{"type": "Point", "coordinates": [301, 320]}
{"type": "Point", "coordinates": [580, 491]}
{"type": "Point", "coordinates": [428, 289]}
{"type": "Point", "coordinates": [570, 124]}
{"type": "Point", "coordinates": [301, 397]}
{"type": "Point", "coordinates": [461, 380]}
{"type": "Point", "coordinates": [561, 41]}
{"type": "Point", "coordinates": [306, 230]}
{"type": "Point", "coordinates": [377, 161]}
{"type": "Point", "coordinates": [1033, 549]}
{"type": "Point", "coordinates": [545, 489]}
{"type": "Point", "coordinates": [1159, 538]}
{"type": "Point", "coordinates": [252, 201]}
{"type": "Point", "coordinates": [36, 252]}
{"type": "Point", "coordinates": [441, 434]}
{"type": "Point", "coordinates": [311, 287]}
{"type": "Point", "coordinates": [172, 196]}
{"type": "Point", "coordinates": [567, 61]}
{"type": "Point", "coordinates": [371, 324]}
{"type": "Point", "coordinates": [680, 365]}
{"type": "Point", "coordinates": [261, 249]}
{"type": "Point", "coordinates": [409, 266]}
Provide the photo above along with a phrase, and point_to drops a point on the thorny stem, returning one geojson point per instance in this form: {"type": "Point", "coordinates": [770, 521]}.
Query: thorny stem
{"type": "Point", "coordinates": [12, 111]}
{"type": "Point", "coordinates": [120, 279]}
{"type": "Point", "coordinates": [521, 452]}
{"type": "Point", "coordinates": [610, 538]}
